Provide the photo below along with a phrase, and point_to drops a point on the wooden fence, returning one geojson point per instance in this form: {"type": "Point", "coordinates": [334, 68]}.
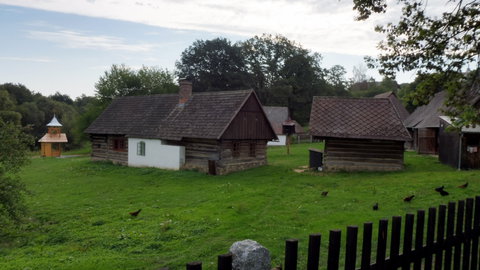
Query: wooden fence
{"type": "Point", "coordinates": [451, 242]}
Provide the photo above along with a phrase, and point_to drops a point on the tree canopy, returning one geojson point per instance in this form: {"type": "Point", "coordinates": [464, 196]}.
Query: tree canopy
{"type": "Point", "coordinates": [446, 44]}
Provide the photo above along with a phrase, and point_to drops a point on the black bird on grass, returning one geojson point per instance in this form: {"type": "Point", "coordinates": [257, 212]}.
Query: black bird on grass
{"type": "Point", "coordinates": [444, 193]}
{"type": "Point", "coordinates": [325, 193]}
{"type": "Point", "coordinates": [464, 185]}
{"type": "Point", "coordinates": [439, 189]}
{"type": "Point", "coordinates": [375, 207]}
{"type": "Point", "coordinates": [408, 198]}
{"type": "Point", "coordinates": [135, 213]}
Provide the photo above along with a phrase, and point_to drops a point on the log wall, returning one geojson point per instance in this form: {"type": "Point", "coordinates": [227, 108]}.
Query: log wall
{"type": "Point", "coordinates": [103, 149]}
{"type": "Point", "coordinates": [363, 155]}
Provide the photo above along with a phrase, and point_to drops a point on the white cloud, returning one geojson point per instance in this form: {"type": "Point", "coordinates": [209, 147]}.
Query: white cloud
{"type": "Point", "coordinates": [26, 59]}
{"type": "Point", "coordinates": [73, 39]}
{"type": "Point", "coordinates": [320, 25]}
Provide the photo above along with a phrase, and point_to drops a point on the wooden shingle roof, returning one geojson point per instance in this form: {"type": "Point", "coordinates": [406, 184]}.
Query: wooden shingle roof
{"type": "Point", "coordinates": [205, 115]}
{"type": "Point", "coordinates": [278, 116]}
{"type": "Point", "coordinates": [427, 116]}
{"type": "Point", "coordinates": [357, 118]}
{"type": "Point", "coordinates": [402, 112]}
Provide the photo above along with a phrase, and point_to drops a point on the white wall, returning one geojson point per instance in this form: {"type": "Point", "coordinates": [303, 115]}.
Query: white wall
{"type": "Point", "coordinates": [281, 141]}
{"type": "Point", "coordinates": [156, 154]}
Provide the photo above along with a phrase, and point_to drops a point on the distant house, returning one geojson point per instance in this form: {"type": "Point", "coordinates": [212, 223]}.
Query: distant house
{"type": "Point", "coordinates": [459, 149]}
{"type": "Point", "coordinates": [51, 142]}
{"type": "Point", "coordinates": [215, 132]}
{"type": "Point", "coordinates": [424, 123]}
{"type": "Point", "coordinates": [361, 134]}
{"type": "Point", "coordinates": [397, 104]}
{"type": "Point", "coordinates": [278, 117]}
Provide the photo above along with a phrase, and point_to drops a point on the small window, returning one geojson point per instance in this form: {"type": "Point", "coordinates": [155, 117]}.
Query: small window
{"type": "Point", "coordinates": [236, 149]}
{"type": "Point", "coordinates": [253, 149]}
{"type": "Point", "coordinates": [119, 144]}
{"type": "Point", "coordinates": [141, 148]}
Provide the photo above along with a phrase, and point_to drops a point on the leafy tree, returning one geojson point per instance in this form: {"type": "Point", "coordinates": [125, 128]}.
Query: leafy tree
{"type": "Point", "coordinates": [445, 44]}
{"type": "Point", "coordinates": [18, 92]}
{"type": "Point", "coordinates": [213, 65]}
{"type": "Point", "coordinates": [62, 98]}
{"type": "Point", "coordinates": [13, 155]}
{"type": "Point", "coordinates": [121, 80]}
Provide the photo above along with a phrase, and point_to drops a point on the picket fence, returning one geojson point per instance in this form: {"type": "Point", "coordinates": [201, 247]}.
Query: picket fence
{"type": "Point", "coordinates": [451, 242]}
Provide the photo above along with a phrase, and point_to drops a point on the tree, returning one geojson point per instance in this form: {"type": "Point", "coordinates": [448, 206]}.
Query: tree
{"type": "Point", "coordinates": [121, 80]}
{"type": "Point", "coordinates": [446, 44]}
{"type": "Point", "coordinates": [13, 155]}
{"type": "Point", "coordinates": [213, 65]}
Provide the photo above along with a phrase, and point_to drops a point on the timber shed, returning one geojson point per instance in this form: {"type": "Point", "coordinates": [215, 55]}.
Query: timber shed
{"type": "Point", "coordinates": [360, 134]}
{"type": "Point", "coordinates": [214, 132]}
{"type": "Point", "coordinates": [459, 149]}
{"type": "Point", "coordinates": [424, 123]}
{"type": "Point", "coordinates": [278, 117]}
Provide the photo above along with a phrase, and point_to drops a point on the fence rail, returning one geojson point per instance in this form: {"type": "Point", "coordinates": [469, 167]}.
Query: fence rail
{"type": "Point", "coordinates": [451, 242]}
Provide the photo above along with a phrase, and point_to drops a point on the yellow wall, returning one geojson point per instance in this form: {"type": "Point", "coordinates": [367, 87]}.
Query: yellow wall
{"type": "Point", "coordinates": [50, 149]}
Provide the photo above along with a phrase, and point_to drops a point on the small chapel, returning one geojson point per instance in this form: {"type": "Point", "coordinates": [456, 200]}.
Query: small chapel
{"type": "Point", "coordinates": [51, 142]}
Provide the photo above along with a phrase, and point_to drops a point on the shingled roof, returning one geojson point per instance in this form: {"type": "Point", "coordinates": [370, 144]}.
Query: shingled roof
{"type": "Point", "coordinates": [427, 116]}
{"type": "Point", "coordinates": [278, 116]}
{"type": "Point", "coordinates": [357, 118]}
{"type": "Point", "coordinates": [402, 112]}
{"type": "Point", "coordinates": [206, 115]}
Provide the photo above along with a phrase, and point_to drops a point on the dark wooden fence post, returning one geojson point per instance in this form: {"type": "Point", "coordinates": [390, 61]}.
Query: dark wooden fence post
{"type": "Point", "coordinates": [382, 243]}
{"type": "Point", "coordinates": [395, 242]}
{"type": "Point", "coordinates": [432, 215]}
{"type": "Point", "coordinates": [457, 256]}
{"type": "Point", "coordinates": [449, 237]}
{"type": "Point", "coordinates": [407, 242]}
{"type": "Point", "coordinates": [442, 213]}
{"type": "Point", "coordinates": [367, 245]}
{"type": "Point", "coordinates": [194, 266]}
{"type": "Point", "coordinates": [419, 239]}
{"type": "Point", "coordinates": [291, 254]}
{"type": "Point", "coordinates": [314, 251]}
{"type": "Point", "coordinates": [468, 234]}
{"type": "Point", "coordinates": [351, 248]}
{"type": "Point", "coordinates": [334, 242]}
{"type": "Point", "coordinates": [225, 261]}
{"type": "Point", "coordinates": [476, 228]}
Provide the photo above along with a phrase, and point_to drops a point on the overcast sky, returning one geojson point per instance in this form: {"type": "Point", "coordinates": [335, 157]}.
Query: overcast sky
{"type": "Point", "coordinates": [66, 45]}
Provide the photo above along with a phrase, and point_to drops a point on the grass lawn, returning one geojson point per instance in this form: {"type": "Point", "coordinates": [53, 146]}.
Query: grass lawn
{"type": "Point", "coordinates": [79, 209]}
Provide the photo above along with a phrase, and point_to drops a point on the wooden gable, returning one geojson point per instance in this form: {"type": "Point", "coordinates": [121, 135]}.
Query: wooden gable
{"type": "Point", "coordinates": [250, 123]}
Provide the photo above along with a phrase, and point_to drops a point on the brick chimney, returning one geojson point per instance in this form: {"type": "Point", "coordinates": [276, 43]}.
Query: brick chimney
{"type": "Point", "coordinates": [185, 90]}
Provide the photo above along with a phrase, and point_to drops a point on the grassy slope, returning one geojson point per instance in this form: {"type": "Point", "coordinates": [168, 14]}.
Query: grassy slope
{"type": "Point", "coordinates": [80, 218]}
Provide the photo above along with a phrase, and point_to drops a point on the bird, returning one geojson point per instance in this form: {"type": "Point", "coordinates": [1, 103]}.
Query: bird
{"type": "Point", "coordinates": [438, 189]}
{"type": "Point", "coordinates": [464, 185]}
{"type": "Point", "coordinates": [325, 193]}
{"type": "Point", "coordinates": [408, 198]}
{"type": "Point", "coordinates": [375, 207]}
{"type": "Point", "coordinates": [135, 213]}
{"type": "Point", "coordinates": [444, 193]}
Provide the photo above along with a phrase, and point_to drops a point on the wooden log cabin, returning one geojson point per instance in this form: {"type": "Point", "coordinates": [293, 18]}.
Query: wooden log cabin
{"type": "Point", "coordinates": [424, 123]}
{"type": "Point", "coordinates": [214, 132]}
{"type": "Point", "coordinates": [51, 143]}
{"type": "Point", "coordinates": [360, 134]}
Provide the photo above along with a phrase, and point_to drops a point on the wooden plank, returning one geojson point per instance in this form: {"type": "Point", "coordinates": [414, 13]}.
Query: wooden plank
{"type": "Point", "coordinates": [395, 242]}
{"type": "Point", "coordinates": [314, 251]}
{"type": "Point", "coordinates": [457, 255]}
{"type": "Point", "coordinates": [417, 265]}
{"type": "Point", "coordinates": [432, 215]}
{"type": "Point", "coordinates": [334, 249]}
{"type": "Point", "coordinates": [449, 236]}
{"type": "Point", "coordinates": [225, 261]}
{"type": "Point", "coordinates": [367, 246]}
{"type": "Point", "coordinates": [442, 210]}
{"type": "Point", "coordinates": [351, 248]}
{"type": "Point", "coordinates": [291, 254]}
{"type": "Point", "coordinates": [407, 242]}
{"type": "Point", "coordinates": [476, 227]}
{"type": "Point", "coordinates": [468, 234]}
{"type": "Point", "coordinates": [382, 243]}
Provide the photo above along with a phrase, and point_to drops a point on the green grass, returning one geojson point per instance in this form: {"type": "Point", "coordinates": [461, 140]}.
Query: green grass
{"type": "Point", "coordinates": [79, 209]}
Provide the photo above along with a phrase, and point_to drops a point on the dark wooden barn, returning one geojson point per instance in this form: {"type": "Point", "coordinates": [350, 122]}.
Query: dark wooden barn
{"type": "Point", "coordinates": [215, 132]}
{"type": "Point", "coordinates": [459, 149]}
{"type": "Point", "coordinates": [360, 134]}
{"type": "Point", "coordinates": [424, 123]}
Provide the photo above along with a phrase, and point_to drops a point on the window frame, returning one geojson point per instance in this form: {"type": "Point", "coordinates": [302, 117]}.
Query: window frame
{"type": "Point", "coordinates": [119, 144]}
{"type": "Point", "coordinates": [141, 148]}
